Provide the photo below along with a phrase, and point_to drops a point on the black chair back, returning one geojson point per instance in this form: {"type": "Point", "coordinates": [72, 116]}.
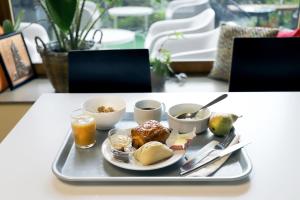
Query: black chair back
{"type": "Point", "coordinates": [107, 71]}
{"type": "Point", "coordinates": [265, 64]}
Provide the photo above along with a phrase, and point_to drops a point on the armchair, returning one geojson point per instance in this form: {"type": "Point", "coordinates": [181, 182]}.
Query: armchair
{"type": "Point", "coordinates": [179, 9]}
{"type": "Point", "coordinates": [90, 13]}
{"type": "Point", "coordinates": [198, 46]}
{"type": "Point", "coordinates": [30, 31]}
{"type": "Point", "coordinates": [200, 23]}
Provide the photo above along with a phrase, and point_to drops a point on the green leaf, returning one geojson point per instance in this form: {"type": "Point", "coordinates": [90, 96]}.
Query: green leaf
{"type": "Point", "coordinates": [19, 19]}
{"type": "Point", "coordinates": [160, 67]}
{"type": "Point", "coordinates": [178, 35]}
{"type": "Point", "coordinates": [8, 26]}
{"type": "Point", "coordinates": [62, 12]}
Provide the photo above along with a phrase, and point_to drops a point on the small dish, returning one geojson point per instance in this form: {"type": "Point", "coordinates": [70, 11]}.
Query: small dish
{"type": "Point", "coordinates": [121, 144]}
{"type": "Point", "coordinates": [187, 125]}
{"type": "Point", "coordinates": [105, 120]}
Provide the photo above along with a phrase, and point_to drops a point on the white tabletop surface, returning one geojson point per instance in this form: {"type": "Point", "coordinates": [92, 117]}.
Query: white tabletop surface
{"type": "Point", "coordinates": [270, 120]}
{"type": "Point", "coordinates": [254, 8]}
{"type": "Point", "coordinates": [113, 36]}
{"type": "Point", "coordinates": [130, 11]}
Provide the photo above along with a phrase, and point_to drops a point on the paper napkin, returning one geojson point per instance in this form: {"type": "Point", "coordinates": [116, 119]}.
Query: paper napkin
{"type": "Point", "coordinates": [211, 168]}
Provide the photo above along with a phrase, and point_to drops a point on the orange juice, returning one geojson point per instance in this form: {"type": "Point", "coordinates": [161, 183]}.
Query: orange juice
{"type": "Point", "coordinates": [84, 130]}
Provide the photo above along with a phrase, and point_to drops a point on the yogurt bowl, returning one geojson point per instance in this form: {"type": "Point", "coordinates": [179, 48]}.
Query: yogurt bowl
{"type": "Point", "coordinates": [107, 110]}
{"type": "Point", "coordinates": [200, 121]}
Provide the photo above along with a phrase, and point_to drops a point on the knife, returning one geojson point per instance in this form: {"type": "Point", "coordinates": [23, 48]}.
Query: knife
{"type": "Point", "coordinates": [220, 154]}
{"type": "Point", "coordinates": [220, 146]}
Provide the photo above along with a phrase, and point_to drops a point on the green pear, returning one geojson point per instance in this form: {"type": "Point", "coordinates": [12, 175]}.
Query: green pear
{"type": "Point", "coordinates": [221, 123]}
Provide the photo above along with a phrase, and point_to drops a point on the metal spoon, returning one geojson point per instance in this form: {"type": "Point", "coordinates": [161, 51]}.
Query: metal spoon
{"type": "Point", "coordinates": [193, 114]}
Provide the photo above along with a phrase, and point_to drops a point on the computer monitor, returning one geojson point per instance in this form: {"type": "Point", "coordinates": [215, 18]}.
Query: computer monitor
{"type": "Point", "coordinates": [106, 71]}
{"type": "Point", "coordinates": [265, 64]}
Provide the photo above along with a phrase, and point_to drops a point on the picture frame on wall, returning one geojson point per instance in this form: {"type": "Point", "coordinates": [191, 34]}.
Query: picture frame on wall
{"type": "Point", "coordinates": [15, 60]}
{"type": "Point", "coordinates": [3, 81]}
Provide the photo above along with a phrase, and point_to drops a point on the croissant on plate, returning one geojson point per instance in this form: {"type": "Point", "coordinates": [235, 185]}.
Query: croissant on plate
{"type": "Point", "coordinates": [149, 131]}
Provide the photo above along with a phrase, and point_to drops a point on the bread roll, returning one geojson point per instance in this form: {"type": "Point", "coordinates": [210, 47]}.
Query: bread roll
{"type": "Point", "coordinates": [152, 152]}
{"type": "Point", "coordinates": [149, 131]}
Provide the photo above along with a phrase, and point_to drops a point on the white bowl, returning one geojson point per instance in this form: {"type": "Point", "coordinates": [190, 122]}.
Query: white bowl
{"type": "Point", "coordinates": [105, 121]}
{"type": "Point", "coordinates": [187, 125]}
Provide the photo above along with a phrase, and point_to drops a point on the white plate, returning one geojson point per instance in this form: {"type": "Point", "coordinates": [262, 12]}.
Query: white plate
{"type": "Point", "coordinates": [134, 164]}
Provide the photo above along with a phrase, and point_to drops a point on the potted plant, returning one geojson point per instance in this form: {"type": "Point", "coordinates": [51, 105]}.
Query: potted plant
{"type": "Point", "coordinates": [65, 18]}
{"type": "Point", "coordinates": [9, 27]}
{"type": "Point", "coordinates": [161, 68]}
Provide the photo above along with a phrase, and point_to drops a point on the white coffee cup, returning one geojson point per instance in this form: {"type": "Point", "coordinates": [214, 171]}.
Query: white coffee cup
{"type": "Point", "coordinates": [146, 110]}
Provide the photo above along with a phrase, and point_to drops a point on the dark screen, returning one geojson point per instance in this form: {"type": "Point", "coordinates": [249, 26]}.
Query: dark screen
{"type": "Point", "coordinates": [265, 64]}
{"type": "Point", "coordinates": [109, 71]}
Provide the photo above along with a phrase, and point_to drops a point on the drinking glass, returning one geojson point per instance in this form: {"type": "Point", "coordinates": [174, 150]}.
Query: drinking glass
{"type": "Point", "coordinates": [84, 129]}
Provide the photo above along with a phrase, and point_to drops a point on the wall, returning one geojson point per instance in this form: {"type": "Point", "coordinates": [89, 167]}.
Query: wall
{"type": "Point", "coordinates": [10, 114]}
{"type": "Point", "coordinates": [5, 10]}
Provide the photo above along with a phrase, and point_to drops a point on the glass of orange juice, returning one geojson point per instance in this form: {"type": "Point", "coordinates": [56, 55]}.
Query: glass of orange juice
{"type": "Point", "coordinates": [84, 129]}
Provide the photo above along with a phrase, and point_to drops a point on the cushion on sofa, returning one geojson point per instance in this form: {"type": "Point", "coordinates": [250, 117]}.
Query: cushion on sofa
{"type": "Point", "coordinates": [292, 33]}
{"type": "Point", "coordinates": [222, 66]}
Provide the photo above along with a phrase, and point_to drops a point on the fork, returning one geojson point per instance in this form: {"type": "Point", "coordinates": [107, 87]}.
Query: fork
{"type": "Point", "coordinates": [220, 146]}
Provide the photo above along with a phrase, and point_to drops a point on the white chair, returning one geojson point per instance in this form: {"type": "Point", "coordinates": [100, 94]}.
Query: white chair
{"type": "Point", "coordinates": [191, 47]}
{"type": "Point", "coordinates": [179, 9]}
{"type": "Point", "coordinates": [90, 13]}
{"type": "Point", "coordinates": [200, 23]}
{"type": "Point", "coordinates": [30, 31]}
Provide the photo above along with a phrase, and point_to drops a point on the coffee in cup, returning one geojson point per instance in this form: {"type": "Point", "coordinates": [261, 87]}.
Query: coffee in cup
{"type": "Point", "coordinates": [146, 110]}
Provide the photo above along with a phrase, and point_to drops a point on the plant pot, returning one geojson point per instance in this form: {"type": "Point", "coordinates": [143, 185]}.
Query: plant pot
{"type": "Point", "coordinates": [56, 65]}
{"type": "Point", "coordinates": [157, 82]}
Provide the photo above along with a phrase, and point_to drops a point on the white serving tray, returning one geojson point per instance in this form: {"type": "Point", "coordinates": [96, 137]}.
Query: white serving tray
{"type": "Point", "coordinates": [74, 165]}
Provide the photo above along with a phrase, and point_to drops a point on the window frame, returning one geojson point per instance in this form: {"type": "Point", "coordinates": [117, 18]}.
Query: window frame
{"type": "Point", "coordinates": [6, 10]}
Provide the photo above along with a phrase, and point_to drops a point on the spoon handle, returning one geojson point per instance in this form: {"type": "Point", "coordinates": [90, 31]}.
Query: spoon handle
{"type": "Point", "coordinates": [223, 96]}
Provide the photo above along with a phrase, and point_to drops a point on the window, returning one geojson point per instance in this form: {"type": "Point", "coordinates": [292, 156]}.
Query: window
{"type": "Point", "coordinates": [198, 47]}
{"type": "Point", "coordinates": [266, 13]}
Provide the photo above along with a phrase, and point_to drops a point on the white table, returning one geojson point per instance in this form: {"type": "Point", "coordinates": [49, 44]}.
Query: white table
{"type": "Point", "coordinates": [131, 11]}
{"type": "Point", "coordinates": [256, 10]}
{"type": "Point", "coordinates": [270, 120]}
{"type": "Point", "coordinates": [113, 36]}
